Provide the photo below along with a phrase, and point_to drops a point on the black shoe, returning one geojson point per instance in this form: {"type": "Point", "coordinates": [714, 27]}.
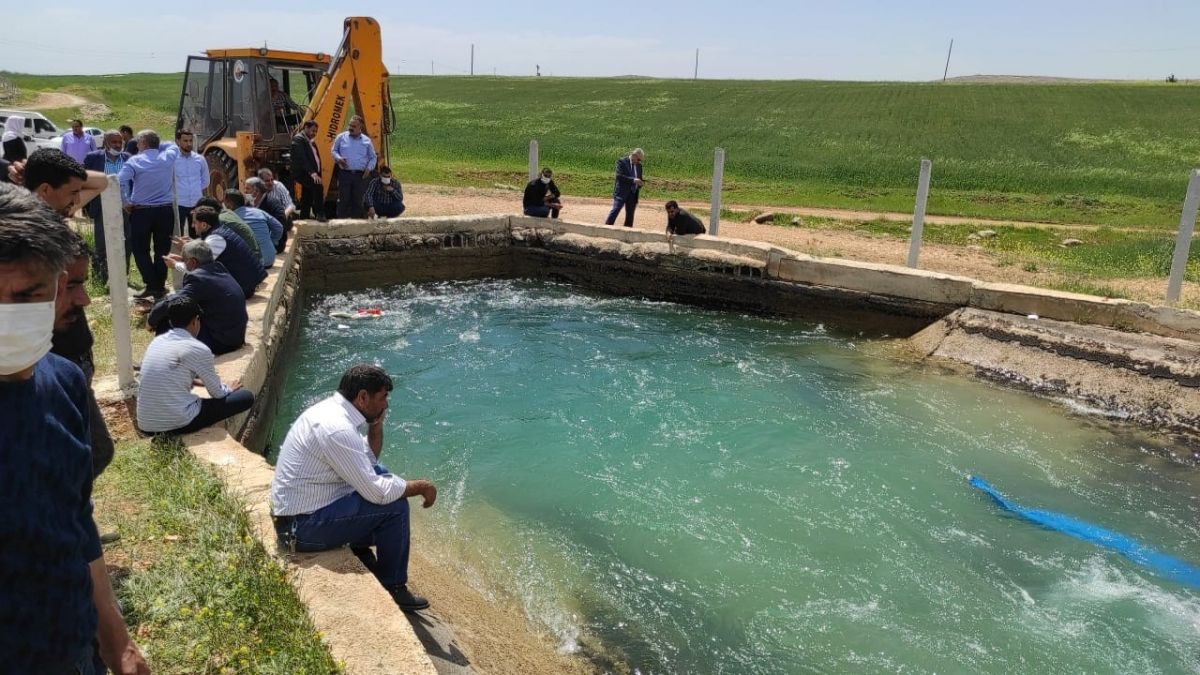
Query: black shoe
{"type": "Point", "coordinates": [406, 600]}
{"type": "Point", "coordinates": [145, 293]}
{"type": "Point", "coordinates": [366, 556]}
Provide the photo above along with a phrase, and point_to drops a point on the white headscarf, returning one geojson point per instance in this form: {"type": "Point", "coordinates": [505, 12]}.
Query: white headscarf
{"type": "Point", "coordinates": [14, 127]}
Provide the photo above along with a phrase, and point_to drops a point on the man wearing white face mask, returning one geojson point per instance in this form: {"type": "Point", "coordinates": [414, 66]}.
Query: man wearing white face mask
{"type": "Point", "coordinates": [384, 197]}
{"type": "Point", "coordinates": [55, 595]}
{"type": "Point", "coordinates": [542, 197]}
{"type": "Point", "coordinates": [108, 160]}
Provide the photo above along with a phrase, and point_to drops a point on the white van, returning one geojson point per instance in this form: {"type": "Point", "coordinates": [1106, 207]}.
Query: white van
{"type": "Point", "coordinates": [39, 131]}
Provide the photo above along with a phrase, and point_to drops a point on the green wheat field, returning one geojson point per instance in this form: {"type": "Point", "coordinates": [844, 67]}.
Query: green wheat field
{"type": "Point", "coordinates": [1094, 153]}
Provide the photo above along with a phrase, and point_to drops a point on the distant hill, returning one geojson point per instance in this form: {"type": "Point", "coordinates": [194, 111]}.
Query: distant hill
{"type": "Point", "coordinates": [1044, 79]}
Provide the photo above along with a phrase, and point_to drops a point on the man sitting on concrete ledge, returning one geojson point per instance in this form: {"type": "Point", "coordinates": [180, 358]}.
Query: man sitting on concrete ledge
{"type": "Point", "coordinates": [166, 404]}
{"type": "Point", "coordinates": [221, 301]}
{"type": "Point", "coordinates": [228, 248]}
{"type": "Point", "coordinates": [267, 230]}
{"type": "Point", "coordinates": [329, 491]}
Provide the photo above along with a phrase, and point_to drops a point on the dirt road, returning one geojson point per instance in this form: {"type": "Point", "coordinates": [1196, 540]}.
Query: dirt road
{"type": "Point", "coordinates": [431, 200]}
{"type": "Point", "coordinates": [50, 100]}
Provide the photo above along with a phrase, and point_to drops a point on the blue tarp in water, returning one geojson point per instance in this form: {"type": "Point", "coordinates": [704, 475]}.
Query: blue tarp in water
{"type": "Point", "coordinates": [1169, 567]}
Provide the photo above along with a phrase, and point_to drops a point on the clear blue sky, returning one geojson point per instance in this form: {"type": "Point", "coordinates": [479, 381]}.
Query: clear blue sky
{"type": "Point", "coordinates": [852, 40]}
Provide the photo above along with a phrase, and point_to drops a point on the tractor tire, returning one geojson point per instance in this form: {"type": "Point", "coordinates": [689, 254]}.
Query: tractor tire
{"type": "Point", "coordinates": [222, 173]}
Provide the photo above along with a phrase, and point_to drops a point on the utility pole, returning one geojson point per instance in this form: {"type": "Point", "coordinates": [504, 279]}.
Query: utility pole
{"type": "Point", "coordinates": [696, 70]}
{"type": "Point", "coordinates": [472, 58]}
{"type": "Point", "coordinates": [948, 52]}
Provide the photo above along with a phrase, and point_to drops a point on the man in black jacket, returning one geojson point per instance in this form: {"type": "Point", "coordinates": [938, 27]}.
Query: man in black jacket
{"type": "Point", "coordinates": [219, 296]}
{"type": "Point", "coordinates": [227, 247]}
{"type": "Point", "coordinates": [679, 221]}
{"type": "Point", "coordinates": [542, 197]}
{"type": "Point", "coordinates": [306, 170]}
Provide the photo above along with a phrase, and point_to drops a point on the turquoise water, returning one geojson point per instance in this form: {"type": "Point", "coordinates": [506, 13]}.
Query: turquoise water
{"type": "Point", "coordinates": [685, 491]}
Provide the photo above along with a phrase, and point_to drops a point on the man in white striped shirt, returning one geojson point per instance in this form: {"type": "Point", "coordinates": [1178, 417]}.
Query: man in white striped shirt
{"type": "Point", "coordinates": [329, 491]}
{"type": "Point", "coordinates": [166, 403]}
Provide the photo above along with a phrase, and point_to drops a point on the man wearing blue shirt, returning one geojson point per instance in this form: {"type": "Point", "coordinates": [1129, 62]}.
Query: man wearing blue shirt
{"type": "Point", "coordinates": [191, 174]}
{"type": "Point", "coordinates": [355, 158]}
{"type": "Point", "coordinates": [77, 144]}
{"type": "Point", "coordinates": [55, 595]}
{"type": "Point", "coordinates": [267, 230]}
{"type": "Point", "coordinates": [147, 187]}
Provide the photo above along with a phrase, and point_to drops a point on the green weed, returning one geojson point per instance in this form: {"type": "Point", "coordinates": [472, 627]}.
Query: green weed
{"type": "Point", "coordinates": [202, 595]}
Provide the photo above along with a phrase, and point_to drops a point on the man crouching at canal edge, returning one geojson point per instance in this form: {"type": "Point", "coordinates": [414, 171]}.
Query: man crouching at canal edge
{"type": "Point", "coordinates": [329, 491]}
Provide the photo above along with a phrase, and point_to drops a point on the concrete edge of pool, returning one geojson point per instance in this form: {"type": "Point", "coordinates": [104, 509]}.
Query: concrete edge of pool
{"type": "Point", "coordinates": [1115, 354]}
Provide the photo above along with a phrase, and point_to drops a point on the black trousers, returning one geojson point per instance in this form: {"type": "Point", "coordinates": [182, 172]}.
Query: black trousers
{"type": "Point", "coordinates": [352, 187]}
{"type": "Point", "coordinates": [100, 253]}
{"type": "Point", "coordinates": [148, 223]}
{"type": "Point", "coordinates": [213, 410]}
{"type": "Point", "coordinates": [312, 201]}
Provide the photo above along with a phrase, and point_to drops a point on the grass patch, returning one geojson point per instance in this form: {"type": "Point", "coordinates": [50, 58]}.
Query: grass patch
{"type": "Point", "coordinates": [1087, 288]}
{"type": "Point", "coordinates": [1107, 253]}
{"type": "Point", "coordinates": [100, 313]}
{"type": "Point", "coordinates": [200, 594]}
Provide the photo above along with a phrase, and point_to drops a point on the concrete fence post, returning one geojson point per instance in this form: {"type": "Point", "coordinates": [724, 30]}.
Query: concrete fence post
{"type": "Point", "coordinates": [1183, 242]}
{"type": "Point", "coordinates": [118, 282]}
{"type": "Point", "coordinates": [714, 216]}
{"type": "Point", "coordinates": [918, 223]}
{"type": "Point", "coordinates": [533, 159]}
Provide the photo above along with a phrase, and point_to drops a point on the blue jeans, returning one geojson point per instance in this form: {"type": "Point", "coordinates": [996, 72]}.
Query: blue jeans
{"type": "Point", "coordinates": [358, 523]}
{"type": "Point", "coordinates": [630, 206]}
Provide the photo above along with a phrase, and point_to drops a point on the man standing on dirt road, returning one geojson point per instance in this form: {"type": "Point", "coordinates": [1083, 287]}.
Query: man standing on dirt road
{"type": "Point", "coordinates": [191, 175]}
{"type": "Point", "coordinates": [306, 170]}
{"type": "Point", "coordinates": [76, 143]}
{"type": "Point", "coordinates": [109, 162]}
{"type": "Point", "coordinates": [130, 142]}
{"type": "Point", "coordinates": [355, 157]}
{"type": "Point", "coordinates": [147, 187]}
{"type": "Point", "coordinates": [627, 186]}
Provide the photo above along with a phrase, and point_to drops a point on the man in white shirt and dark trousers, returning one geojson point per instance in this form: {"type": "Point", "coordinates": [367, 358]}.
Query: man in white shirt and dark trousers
{"type": "Point", "coordinates": [166, 404]}
{"type": "Point", "coordinates": [329, 491]}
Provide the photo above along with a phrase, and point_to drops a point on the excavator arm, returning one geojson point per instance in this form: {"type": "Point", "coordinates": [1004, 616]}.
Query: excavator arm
{"type": "Point", "coordinates": [357, 76]}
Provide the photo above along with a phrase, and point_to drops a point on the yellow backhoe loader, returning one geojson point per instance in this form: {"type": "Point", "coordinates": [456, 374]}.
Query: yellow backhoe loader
{"type": "Point", "coordinates": [241, 125]}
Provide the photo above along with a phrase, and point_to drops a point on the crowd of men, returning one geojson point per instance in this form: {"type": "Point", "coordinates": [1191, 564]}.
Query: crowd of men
{"type": "Point", "coordinates": [55, 596]}
{"type": "Point", "coordinates": [329, 489]}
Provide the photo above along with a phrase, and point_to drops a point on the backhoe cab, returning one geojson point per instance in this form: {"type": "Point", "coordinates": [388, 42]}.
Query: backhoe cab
{"type": "Point", "coordinates": [245, 105]}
